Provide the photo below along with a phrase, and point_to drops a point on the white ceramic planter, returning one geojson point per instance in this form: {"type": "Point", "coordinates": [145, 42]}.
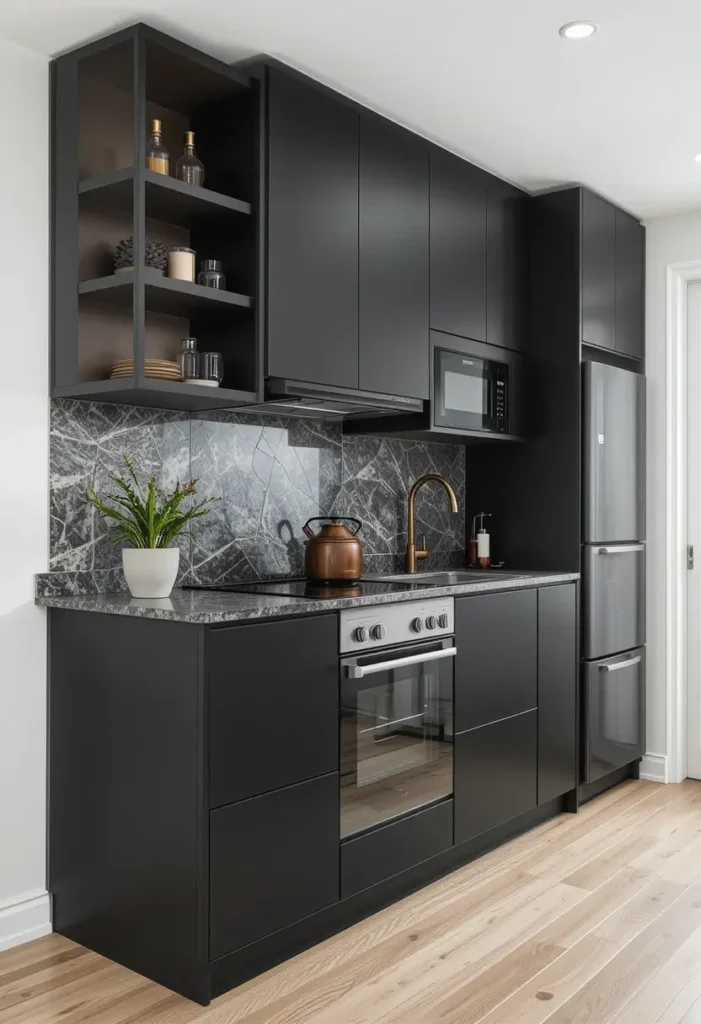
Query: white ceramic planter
{"type": "Point", "coordinates": [150, 572]}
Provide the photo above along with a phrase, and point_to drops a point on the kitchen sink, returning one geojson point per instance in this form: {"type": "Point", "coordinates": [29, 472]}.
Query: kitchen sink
{"type": "Point", "coordinates": [450, 578]}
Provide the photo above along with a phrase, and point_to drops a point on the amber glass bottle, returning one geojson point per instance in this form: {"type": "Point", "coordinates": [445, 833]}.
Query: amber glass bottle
{"type": "Point", "coordinates": [157, 156]}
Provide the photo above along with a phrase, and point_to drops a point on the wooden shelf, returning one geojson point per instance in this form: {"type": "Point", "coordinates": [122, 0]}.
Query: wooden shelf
{"type": "Point", "coordinates": [164, 294]}
{"type": "Point", "coordinates": [167, 199]}
{"type": "Point", "coordinates": [157, 394]}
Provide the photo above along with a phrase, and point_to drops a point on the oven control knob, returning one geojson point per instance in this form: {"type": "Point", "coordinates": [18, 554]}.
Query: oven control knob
{"type": "Point", "coordinates": [378, 632]}
{"type": "Point", "coordinates": [417, 625]}
{"type": "Point", "coordinates": [361, 634]}
{"type": "Point", "coordinates": [443, 620]}
{"type": "Point", "coordinates": [431, 622]}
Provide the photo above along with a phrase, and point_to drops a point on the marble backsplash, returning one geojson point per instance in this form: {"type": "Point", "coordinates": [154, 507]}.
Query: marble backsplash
{"type": "Point", "coordinates": [272, 473]}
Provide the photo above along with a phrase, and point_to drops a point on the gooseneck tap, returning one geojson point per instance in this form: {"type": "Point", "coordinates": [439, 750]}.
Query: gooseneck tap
{"type": "Point", "coordinates": [414, 554]}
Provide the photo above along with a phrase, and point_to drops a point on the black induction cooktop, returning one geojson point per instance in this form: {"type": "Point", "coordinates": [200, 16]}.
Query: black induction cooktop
{"type": "Point", "coordinates": [309, 590]}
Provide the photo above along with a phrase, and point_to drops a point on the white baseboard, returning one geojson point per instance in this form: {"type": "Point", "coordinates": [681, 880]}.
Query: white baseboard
{"type": "Point", "coordinates": [24, 917]}
{"type": "Point", "coordinates": [653, 767]}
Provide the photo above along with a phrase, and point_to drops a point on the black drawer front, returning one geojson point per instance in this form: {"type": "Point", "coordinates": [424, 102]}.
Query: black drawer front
{"type": "Point", "coordinates": [495, 774]}
{"type": "Point", "coordinates": [395, 847]}
{"type": "Point", "coordinates": [273, 706]}
{"type": "Point", "coordinates": [272, 861]}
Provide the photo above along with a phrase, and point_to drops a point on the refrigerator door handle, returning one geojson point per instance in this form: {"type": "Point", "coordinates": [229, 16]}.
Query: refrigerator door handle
{"type": "Point", "coordinates": [620, 664]}
{"type": "Point", "coordinates": [621, 549]}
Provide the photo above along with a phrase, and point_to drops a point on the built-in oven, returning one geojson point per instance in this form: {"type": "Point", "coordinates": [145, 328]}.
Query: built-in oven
{"type": "Point", "coordinates": [471, 391]}
{"type": "Point", "coordinates": [396, 714]}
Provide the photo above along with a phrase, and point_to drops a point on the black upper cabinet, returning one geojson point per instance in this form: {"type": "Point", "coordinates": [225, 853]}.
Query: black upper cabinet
{"type": "Point", "coordinates": [458, 247]}
{"type": "Point", "coordinates": [273, 705]}
{"type": "Point", "coordinates": [508, 279]}
{"type": "Point", "coordinates": [312, 280]}
{"type": "Point", "coordinates": [393, 267]}
{"type": "Point", "coordinates": [613, 278]}
{"type": "Point", "coordinates": [557, 690]}
{"type": "Point", "coordinates": [495, 677]}
{"type": "Point", "coordinates": [598, 271]}
{"type": "Point", "coordinates": [630, 286]}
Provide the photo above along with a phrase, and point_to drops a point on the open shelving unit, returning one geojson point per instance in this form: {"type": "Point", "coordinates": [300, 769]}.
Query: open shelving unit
{"type": "Point", "coordinates": [104, 97]}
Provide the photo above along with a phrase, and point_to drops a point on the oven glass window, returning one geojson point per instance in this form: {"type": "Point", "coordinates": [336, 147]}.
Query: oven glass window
{"type": "Point", "coordinates": [465, 393]}
{"type": "Point", "coordinates": [396, 743]}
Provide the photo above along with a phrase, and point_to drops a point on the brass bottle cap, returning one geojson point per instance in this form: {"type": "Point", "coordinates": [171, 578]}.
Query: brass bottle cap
{"type": "Point", "coordinates": [155, 127]}
{"type": "Point", "coordinates": [189, 138]}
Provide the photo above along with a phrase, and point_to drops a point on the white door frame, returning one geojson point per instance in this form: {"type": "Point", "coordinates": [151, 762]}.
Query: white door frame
{"type": "Point", "coordinates": [679, 276]}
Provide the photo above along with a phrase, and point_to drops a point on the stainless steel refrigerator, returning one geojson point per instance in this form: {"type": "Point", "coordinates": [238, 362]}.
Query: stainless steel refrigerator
{"type": "Point", "coordinates": [613, 560]}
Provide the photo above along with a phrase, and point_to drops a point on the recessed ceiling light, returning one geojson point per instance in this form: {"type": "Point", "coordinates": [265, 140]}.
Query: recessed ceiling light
{"type": "Point", "coordinates": [578, 29]}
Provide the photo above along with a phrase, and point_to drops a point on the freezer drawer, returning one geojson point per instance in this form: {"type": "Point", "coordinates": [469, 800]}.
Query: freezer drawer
{"type": "Point", "coordinates": [614, 713]}
{"type": "Point", "coordinates": [614, 455]}
{"type": "Point", "coordinates": [614, 599]}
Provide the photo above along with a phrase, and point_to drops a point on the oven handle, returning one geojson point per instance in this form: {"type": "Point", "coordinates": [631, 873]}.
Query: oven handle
{"type": "Point", "coordinates": [359, 671]}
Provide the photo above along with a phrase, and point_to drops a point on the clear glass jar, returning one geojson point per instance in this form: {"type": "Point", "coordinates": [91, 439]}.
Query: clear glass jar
{"type": "Point", "coordinates": [210, 274]}
{"type": "Point", "coordinates": [212, 366]}
{"type": "Point", "coordinates": [189, 359]}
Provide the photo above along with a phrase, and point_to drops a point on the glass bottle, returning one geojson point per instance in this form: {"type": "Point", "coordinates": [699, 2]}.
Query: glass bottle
{"type": "Point", "coordinates": [210, 275]}
{"type": "Point", "coordinates": [189, 359]}
{"type": "Point", "coordinates": [212, 367]}
{"type": "Point", "coordinates": [157, 156]}
{"type": "Point", "coordinates": [188, 168]}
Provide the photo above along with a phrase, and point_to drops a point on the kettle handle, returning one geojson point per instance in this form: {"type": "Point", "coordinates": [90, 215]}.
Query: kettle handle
{"type": "Point", "coordinates": [331, 519]}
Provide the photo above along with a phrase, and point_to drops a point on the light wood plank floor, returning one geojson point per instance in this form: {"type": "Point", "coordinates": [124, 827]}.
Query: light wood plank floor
{"type": "Point", "coordinates": [591, 918]}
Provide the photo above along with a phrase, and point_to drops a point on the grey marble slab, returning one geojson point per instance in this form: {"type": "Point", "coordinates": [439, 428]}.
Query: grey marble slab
{"type": "Point", "coordinates": [272, 474]}
{"type": "Point", "coordinates": [211, 607]}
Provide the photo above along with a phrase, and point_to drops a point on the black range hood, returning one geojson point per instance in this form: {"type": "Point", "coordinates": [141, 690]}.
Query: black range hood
{"type": "Point", "coordinates": [299, 398]}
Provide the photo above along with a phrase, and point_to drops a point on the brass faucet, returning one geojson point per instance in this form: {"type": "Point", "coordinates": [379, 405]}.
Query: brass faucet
{"type": "Point", "coordinates": [413, 554]}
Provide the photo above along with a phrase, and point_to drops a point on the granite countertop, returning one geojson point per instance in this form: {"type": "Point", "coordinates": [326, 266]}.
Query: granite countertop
{"type": "Point", "coordinates": [211, 607]}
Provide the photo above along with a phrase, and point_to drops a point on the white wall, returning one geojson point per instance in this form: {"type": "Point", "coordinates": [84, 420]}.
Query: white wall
{"type": "Point", "coordinates": [24, 304]}
{"type": "Point", "coordinates": [669, 240]}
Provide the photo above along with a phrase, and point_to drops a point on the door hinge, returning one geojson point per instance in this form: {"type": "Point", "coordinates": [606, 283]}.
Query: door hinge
{"type": "Point", "coordinates": [690, 556]}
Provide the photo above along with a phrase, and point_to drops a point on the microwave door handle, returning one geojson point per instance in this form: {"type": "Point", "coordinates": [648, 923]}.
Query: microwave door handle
{"type": "Point", "coordinates": [360, 671]}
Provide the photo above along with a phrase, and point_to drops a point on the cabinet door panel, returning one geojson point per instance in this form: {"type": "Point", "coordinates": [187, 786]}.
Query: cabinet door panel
{"type": "Point", "coordinates": [496, 665]}
{"type": "Point", "coordinates": [273, 705]}
{"type": "Point", "coordinates": [273, 861]}
{"type": "Point", "coordinates": [312, 285]}
{"type": "Point", "coordinates": [458, 247]}
{"type": "Point", "coordinates": [393, 266]}
{"type": "Point", "coordinates": [557, 691]}
{"type": "Point", "coordinates": [495, 774]}
{"type": "Point", "coordinates": [598, 271]}
{"type": "Point", "coordinates": [630, 286]}
{"type": "Point", "coordinates": [508, 265]}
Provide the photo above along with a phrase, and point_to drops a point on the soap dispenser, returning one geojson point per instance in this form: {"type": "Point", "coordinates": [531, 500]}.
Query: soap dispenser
{"type": "Point", "coordinates": [483, 557]}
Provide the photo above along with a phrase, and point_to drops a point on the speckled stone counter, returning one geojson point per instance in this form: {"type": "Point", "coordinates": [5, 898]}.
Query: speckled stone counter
{"type": "Point", "coordinates": [212, 607]}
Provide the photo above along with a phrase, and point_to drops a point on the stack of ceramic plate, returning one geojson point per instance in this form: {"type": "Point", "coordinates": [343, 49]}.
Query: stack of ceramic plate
{"type": "Point", "coordinates": [158, 369]}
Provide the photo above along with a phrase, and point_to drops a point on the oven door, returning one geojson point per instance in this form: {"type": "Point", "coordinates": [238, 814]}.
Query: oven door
{"type": "Point", "coordinates": [396, 732]}
{"type": "Point", "coordinates": [470, 393]}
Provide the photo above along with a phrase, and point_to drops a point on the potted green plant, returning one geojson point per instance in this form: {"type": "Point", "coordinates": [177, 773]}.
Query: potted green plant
{"type": "Point", "coordinates": [148, 521]}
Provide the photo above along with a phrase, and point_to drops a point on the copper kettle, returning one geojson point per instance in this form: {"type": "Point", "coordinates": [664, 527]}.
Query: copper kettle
{"type": "Point", "coordinates": [334, 554]}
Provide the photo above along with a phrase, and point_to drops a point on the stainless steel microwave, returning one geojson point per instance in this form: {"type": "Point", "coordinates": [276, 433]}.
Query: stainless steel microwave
{"type": "Point", "coordinates": [471, 392]}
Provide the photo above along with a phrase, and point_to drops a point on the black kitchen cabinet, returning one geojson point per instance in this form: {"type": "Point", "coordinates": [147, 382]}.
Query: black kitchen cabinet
{"type": "Point", "coordinates": [273, 705]}
{"type": "Point", "coordinates": [273, 861]}
{"type": "Point", "coordinates": [613, 278]}
{"type": "Point", "coordinates": [598, 227]}
{"type": "Point", "coordinates": [630, 286]}
{"type": "Point", "coordinates": [496, 668]}
{"type": "Point", "coordinates": [394, 260]}
{"type": "Point", "coordinates": [495, 774]}
{"type": "Point", "coordinates": [557, 691]}
{"type": "Point", "coordinates": [508, 282]}
{"type": "Point", "coordinates": [458, 246]}
{"type": "Point", "coordinates": [312, 278]}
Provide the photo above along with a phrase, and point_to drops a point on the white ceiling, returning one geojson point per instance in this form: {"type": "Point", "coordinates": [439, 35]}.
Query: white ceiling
{"type": "Point", "coordinates": [491, 80]}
